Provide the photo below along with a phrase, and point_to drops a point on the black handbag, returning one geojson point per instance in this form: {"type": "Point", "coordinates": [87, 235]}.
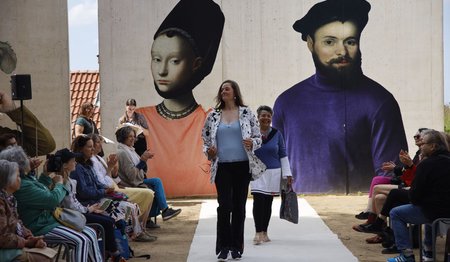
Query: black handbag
{"type": "Point", "coordinates": [289, 206]}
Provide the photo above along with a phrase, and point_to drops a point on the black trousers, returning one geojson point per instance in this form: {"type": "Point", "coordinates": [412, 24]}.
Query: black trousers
{"type": "Point", "coordinates": [262, 210]}
{"type": "Point", "coordinates": [232, 180]}
{"type": "Point", "coordinates": [395, 198]}
{"type": "Point", "coordinates": [108, 225]}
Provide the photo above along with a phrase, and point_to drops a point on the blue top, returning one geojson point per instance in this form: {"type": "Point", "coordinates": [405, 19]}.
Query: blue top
{"type": "Point", "coordinates": [229, 143]}
{"type": "Point", "coordinates": [336, 133]}
{"type": "Point", "coordinates": [87, 124]}
{"type": "Point", "coordinates": [272, 151]}
{"type": "Point", "coordinates": [89, 189]}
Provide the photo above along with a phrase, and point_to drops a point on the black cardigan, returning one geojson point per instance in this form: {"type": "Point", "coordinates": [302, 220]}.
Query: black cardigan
{"type": "Point", "coordinates": [430, 188]}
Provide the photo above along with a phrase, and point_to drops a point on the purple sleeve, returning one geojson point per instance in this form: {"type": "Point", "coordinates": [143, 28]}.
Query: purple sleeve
{"type": "Point", "coordinates": [388, 135]}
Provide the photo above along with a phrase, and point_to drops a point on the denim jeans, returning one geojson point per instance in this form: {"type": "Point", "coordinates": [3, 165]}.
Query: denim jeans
{"type": "Point", "coordinates": [402, 215]}
{"type": "Point", "coordinates": [159, 201]}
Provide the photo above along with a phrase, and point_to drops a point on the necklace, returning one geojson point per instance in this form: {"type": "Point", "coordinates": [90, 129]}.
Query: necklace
{"type": "Point", "coordinates": [167, 114]}
{"type": "Point", "coordinates": [265, 134]}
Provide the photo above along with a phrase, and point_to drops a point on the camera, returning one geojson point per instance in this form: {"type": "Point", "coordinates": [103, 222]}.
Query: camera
{"type": "Point", "coordinates": [54, 163]}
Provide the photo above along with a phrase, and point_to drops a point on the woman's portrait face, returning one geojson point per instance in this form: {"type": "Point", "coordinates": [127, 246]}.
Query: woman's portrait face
{"type": "Point", "coordinates": [88, 149]}
{"type": "Point", "coordinates": [265, 118]}
{"type": "Point", "coordinates": [129, 140]}
{"type": "Point", "coordinates": [173, 63]}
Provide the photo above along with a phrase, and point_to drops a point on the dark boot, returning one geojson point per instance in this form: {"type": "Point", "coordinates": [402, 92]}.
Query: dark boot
{"type": "Point", "coordinates": [376, 227]}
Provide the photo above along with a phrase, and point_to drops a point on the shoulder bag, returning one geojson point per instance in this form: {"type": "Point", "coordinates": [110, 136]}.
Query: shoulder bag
{"type": "Point", "coordinates": [70, 218]}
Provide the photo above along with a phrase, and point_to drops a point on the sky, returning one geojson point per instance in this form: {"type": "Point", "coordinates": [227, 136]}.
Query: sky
{"type": "Point", "coordinates": [83, 38]}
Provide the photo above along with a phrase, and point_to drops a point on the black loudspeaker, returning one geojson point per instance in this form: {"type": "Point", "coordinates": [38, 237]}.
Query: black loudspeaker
{"type": "Point", "coordinates": [21, 87]}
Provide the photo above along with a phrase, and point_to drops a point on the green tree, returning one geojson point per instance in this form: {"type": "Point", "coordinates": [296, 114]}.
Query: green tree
{"type": "Point", "coordinates": [447, 118]}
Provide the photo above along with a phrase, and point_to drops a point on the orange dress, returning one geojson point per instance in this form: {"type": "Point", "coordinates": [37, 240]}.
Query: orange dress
{"type": "Point", "coordinates": [179, 160]}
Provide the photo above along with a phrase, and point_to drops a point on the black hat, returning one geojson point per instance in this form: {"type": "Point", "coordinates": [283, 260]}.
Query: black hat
{"type": "Point", "coordinates": [333, 10]}
{"type": "Point", "coordinates": [202, 21]}
{"type": "Point", "coordinates": [66, 155]}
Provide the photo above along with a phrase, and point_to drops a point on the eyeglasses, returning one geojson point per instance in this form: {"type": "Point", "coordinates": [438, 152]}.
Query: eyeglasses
{"type": "Point", "coordinates": [416, 136]}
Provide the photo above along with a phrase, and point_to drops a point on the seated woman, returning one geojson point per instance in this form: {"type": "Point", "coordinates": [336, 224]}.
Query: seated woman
{"type": "Point", "coordinates": [35, 205]}
{"type": "Point", "coordinates": [91, 191]}
{"type": "Point", "coordinates": [107, 170]}
{"type": "Point", "coordinates": [15, 236]}
{"type": "Point", "coordinates": [132, 169]}
{"type": "Point", "coordinates": [134, 118]}
{"type": "Point", "coordinates": [381, 185]}
{"type": "Point", "coordinates": [429, 196]}
{"type": "Point", "coordinates": [66, 161]}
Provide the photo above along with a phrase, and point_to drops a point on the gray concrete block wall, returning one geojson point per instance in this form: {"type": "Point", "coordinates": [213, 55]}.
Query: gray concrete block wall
{"type": "Point", "coordinates": [38, 32]}
{"type": "Point", "coordinates": [401, 49]}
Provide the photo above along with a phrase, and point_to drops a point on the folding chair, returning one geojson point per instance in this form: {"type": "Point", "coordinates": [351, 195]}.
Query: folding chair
{"type": "Point", "coordinates": [100, 236]}
{"type": "Point", "coordinates": [441, 227]}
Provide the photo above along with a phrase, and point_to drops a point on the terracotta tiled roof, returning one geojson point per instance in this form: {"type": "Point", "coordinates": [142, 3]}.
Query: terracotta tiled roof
{"type": "Point", "coordinates": [84, 87]}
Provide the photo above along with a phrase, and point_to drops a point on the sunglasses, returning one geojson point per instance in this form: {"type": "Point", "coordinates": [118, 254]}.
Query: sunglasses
{"type": "Point", "coordinates": [416, 136]}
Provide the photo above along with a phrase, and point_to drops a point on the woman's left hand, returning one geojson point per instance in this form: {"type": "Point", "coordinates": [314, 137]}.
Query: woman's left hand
{"type": "Point", "coordinates": [248, 144]}
{"type": "Point", "coordinates": [289, 181]}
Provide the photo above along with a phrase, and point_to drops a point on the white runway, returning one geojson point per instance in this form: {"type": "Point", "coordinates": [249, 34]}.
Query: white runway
{"type": "Point", "coordinates": [309, 240]}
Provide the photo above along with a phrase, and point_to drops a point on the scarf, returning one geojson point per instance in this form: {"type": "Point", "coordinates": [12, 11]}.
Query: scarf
{"type": "Point", "coordinates": [130, 152]}
{"type": "Point", "coordinates": [11, 201]}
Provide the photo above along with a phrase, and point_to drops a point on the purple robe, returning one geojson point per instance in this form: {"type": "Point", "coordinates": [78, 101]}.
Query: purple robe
{"type": "Point", "coordinates": [337, 136]}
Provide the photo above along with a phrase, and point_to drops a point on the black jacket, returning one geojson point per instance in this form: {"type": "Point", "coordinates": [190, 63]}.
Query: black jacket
{"type": "Point", "coordinates": [430, 188]}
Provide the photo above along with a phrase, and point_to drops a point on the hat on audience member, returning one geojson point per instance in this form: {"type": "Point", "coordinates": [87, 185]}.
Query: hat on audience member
{"type": "Point", "coordinates": [66, 155]}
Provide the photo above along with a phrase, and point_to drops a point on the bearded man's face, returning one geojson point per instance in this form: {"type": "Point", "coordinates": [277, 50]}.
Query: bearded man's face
{"type": "Point", "coordinates": [335, 50]}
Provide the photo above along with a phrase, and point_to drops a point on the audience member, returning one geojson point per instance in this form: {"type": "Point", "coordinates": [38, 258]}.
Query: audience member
{"type": "Point", "coordinates": [14, 235]}
{"type": "Point", "coordinates": [132, 169]}
{"type": "Point", "coordinates": [138, 120]}
{"type": "Point", "coordinates": [35, 205]}
{"type": "Point", "coordinates": [429, 195]}
{"type": "Point", "coordinates": [7, 139]}
{"type": "Point", "coordinates": [401, 174]}
{"type": "Point", "coordinates": [65, 160]}
{"type": "Point", "coordinates": [84, 123]}
{"type": "Point", "coordinates": [107, 171]}
{"type": "Point", "coordinates": [90, 191]}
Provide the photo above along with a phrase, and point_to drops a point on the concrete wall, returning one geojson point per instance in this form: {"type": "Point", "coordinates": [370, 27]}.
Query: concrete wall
{"type": "Point", "coordinates": [401, 45]}
{"type": "Point", "coordinates": [38, 33]}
